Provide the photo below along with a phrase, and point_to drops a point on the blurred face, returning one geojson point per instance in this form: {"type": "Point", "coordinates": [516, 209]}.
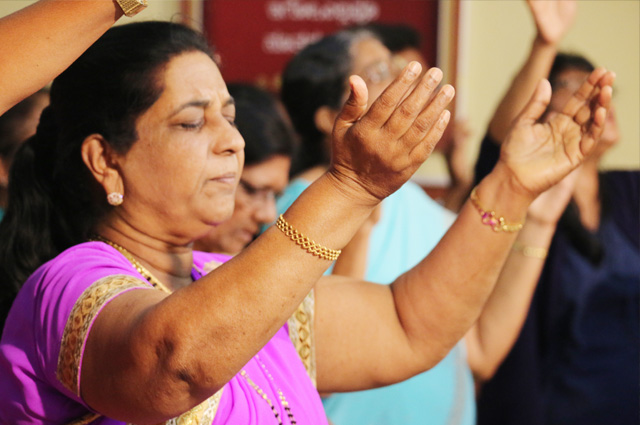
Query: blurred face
{"type": "Point", "coordinates": [255, 206]}
{"type": "Point", "coordinates": [372, 61]}
{"type": "Point", "coordinates": [565, 85]}
{"type": "Point", "coordinates": [404, 56]}
{"type": "Point", "coordinates": [180, 177]}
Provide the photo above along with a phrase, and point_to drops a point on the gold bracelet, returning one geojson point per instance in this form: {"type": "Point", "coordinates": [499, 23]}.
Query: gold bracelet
{"type": "Point", "coordinates": [498, 224]}
{"type": "Point", "coordinates": [305, 243]}
{"type": "Point", "coordinates": [530, 251]}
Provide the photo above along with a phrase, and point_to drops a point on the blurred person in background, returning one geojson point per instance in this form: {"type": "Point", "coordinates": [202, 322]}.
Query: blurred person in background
{"type": "Point", "coordinates": [576, 360]}
{"type": "Point", "coordinates": [17, 125]}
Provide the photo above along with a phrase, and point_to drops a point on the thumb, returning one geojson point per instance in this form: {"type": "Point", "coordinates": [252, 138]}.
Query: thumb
{"type": "Point", "coordinates": [536, 106]}
{"type": "Point", "coordinates": [356, 105]}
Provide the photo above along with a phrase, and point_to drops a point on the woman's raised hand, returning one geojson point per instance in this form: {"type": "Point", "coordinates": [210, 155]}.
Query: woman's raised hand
{"type": "Point", "coordinates": [379, 149]}
{"type": "Point", "coordinates": [539, 155]}
{"type": "Point", "coordinates": [553, 18]}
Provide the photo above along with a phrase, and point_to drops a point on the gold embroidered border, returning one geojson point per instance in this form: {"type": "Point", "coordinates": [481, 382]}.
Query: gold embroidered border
{"type": "Point", "coordinates": [210, 266]}
{"type": "Point", "coordinates": [81, 317]}
{"type": "Point", "coordinates": [301, 334]}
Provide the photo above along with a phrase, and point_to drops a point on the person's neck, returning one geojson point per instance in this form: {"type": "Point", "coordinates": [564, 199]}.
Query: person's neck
{"type": "Point", "coordinates": [168, 263]}
{"type": "Point", "coordinates": [587, 195]}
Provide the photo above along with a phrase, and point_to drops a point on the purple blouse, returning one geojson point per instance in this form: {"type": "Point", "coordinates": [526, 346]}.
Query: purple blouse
{"type": "Point", "coordinates": [45, 333]}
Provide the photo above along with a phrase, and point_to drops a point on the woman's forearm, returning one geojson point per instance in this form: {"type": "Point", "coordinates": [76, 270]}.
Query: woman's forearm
{"type": "Point", "coordinates": [497, 329]}
{"type": "Point", "coordinates": [461, 271]}
{"type": "Point", "coordinates": [40, 41]}
{"type": "Point", "coordinates": [536, 67]}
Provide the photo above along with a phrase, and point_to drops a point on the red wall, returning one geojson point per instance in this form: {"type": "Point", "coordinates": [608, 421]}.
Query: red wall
{"type": "Point", "coordinates": [256, 38]}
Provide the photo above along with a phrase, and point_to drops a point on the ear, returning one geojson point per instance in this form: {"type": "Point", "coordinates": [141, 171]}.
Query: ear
{"type": "Point", "coordinates": [100, 158]}
{"type": "Point", "coordinates": [324, 119]}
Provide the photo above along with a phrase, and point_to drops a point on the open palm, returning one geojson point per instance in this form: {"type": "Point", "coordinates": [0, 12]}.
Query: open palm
{"type": "Point", "coordinates": [539, 155]}
{"type": "Point", "coordinates": [553, 18]}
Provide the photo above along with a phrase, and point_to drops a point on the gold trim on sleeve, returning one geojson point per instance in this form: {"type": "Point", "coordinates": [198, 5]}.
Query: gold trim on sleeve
{"type": "Point", "coordinates": [84, 311]}
{"type": "Point", "coordinates": [301, 334]}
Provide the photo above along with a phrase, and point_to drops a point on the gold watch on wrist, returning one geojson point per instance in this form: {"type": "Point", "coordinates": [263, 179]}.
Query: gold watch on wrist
{"type": "Point", "coordinates": [132, 7]}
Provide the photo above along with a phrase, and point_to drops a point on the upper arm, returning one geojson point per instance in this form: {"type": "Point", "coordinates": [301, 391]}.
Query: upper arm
{"type": "Point", "coordinates": [360, 342]}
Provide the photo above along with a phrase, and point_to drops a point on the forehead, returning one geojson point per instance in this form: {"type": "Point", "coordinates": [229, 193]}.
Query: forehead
{"type": "Point", "coordinates": [570, 79]}
{"type": "Point", "coordinates": [366, 52]}
{"type": "Point", "coordinates": [273, 172]}
{"type": "Point", "coordinates": [190, 76]}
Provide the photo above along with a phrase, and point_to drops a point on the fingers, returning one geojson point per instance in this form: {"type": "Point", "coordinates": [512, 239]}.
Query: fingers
{"type": "Point", "coordinates": [536, 106]}
{"type": "Point", "coordinates": [593, 129]}
{"type": "Point", "coordinates": [404, 115]}
{"type": "Point", "coordinates": [356, 104]}
{"type": "Point", "coordinates": [422, 150]}
{"type": "Point", "coordinates": [586, 91]}
{"type": "Point", "coordinates": [388, 101]}
{"type": "Point", "coordinates": [424, 123]}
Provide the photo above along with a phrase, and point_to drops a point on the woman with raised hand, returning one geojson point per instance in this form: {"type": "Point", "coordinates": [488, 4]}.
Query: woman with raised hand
{"type": "Point", "coordinates": [576, 359]}
{"type": "Point", "coordinates": [315, 84]}
{"type": "Point", "coordinates": [117, 320]}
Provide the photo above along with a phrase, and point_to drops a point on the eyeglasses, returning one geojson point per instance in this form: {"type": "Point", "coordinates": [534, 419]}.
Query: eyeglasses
{"type": "Point", "coordinates": [380, 71]}
{"type": "Point", "coordinates": [257, 195]}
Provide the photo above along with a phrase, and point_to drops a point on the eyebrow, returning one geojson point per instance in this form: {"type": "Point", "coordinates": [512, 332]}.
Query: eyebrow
{"type": "Point", "coordinates": [201, 104]}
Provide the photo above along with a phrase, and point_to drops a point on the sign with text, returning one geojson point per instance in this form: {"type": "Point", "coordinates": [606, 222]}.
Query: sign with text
{"type": "Point", "coordinates": [256, 38]}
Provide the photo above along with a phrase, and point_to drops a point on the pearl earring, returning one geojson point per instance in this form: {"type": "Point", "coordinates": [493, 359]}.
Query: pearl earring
{"type": "Point", "coordinates": [115, 198]}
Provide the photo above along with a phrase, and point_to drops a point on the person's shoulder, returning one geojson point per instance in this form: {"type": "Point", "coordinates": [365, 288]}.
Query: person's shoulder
{"type": "Point", "coordinates": [86, 255]}
{"type": "Point", "coordinates": [80, 266]}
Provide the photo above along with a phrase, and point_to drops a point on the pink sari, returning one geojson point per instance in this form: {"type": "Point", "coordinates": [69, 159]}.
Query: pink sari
{"type": "Point", "coordinates": [43, 342]}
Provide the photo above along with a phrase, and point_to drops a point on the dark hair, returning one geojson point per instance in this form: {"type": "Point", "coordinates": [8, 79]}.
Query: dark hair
{"type": "Point", "coordinates": [262, 122]}
{"type": "Point", "coordinates": [54, 201]}
{"type": "Point", "coordinates": [568, 61]}
{"type": "Point", "coordinates": [316, 77]}
{"type": "Point", "coordinates": [396, 37]}
{"type": "Point", "coordinates": [11, 123]}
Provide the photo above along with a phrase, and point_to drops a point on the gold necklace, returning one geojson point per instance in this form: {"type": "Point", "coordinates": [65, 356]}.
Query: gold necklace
{"type": "Point", "coordinates": [263, 395]}
{"type": "Point", "coordinates": [157, 284]}
{"type": "Point", "coordinates": [135, 263]}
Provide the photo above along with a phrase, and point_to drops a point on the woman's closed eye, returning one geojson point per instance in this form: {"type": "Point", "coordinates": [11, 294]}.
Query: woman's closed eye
{"type": "Point", "coordinates": [192, 125]}
{"type": "Point", "coordinates": [231, 120]}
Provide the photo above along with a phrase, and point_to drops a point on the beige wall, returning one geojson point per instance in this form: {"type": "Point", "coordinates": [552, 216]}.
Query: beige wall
{"type": "Point", "coordinates": [496, 35]}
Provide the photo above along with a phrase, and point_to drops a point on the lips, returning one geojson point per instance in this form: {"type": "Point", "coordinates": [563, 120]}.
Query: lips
{"type": "Point", "coordinates": [229, 178]}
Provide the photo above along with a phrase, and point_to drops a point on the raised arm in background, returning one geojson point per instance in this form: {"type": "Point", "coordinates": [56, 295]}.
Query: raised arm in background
{"type": "Point", "coordinates": [66, 27]}
{"type": "Point", "coordinates": [418, 318]}
{"type": "Point", "coordinates": [491, 338]}
{"type": "Point", "coordinates": [553, 19]}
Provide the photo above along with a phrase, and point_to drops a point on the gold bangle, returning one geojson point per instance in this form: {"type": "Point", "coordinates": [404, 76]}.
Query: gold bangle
{"type": "Point", "coordinates": [305, 243]}
{"type": "Point", "coordinates": [498, 224]}
{"type": "Point", "coordinates": [530, 251]}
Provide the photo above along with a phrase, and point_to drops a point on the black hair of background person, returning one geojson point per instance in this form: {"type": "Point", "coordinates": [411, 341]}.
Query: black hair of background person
{"type": "Point", "coordinates": [316, 77]}
{"type": "Point", "coordinates": [54, 201]}
{"type": "Point", "coordinates": [262, 123]}
{"type": "Point", "coordinates": [395, 37]}
{"type": "Point", "coordinates": [11, 120]}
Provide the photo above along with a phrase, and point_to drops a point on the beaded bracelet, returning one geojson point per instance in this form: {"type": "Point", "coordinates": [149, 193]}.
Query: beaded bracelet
{"type": "Point", "coordinates": [498, 224]}
{"type": "Point", "coordinates": [530, 251]}
{"type": "Point", "coordinates": [305, 243]}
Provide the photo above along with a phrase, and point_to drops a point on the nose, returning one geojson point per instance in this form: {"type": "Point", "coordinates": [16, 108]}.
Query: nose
{"type": "Point", "coordinates": [265, 212]}
{"type": "Point", "coordinates": [229, 139]}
